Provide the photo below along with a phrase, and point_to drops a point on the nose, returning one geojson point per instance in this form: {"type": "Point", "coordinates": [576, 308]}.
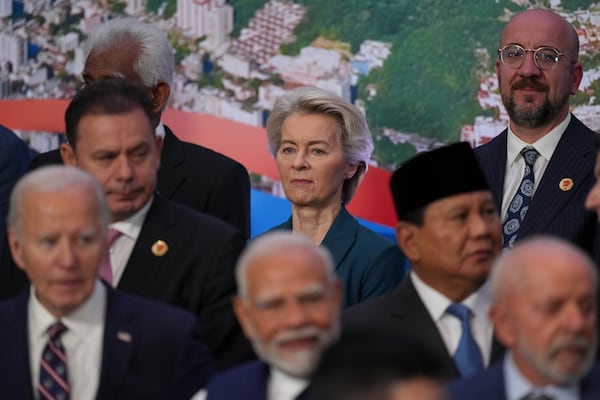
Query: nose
{"type": "Point", "coordinates": [529, 67]}
{"type": "Point", "coordinates": [66, 254]}
{"type": "Point", "coordinates": [575, 319]}
{"type": "Point", "coordinates": [296, 315]}
{"type": "Point", "coordinates": [125, 168]}
{"type": "Point", "coordinates": [300, 161]}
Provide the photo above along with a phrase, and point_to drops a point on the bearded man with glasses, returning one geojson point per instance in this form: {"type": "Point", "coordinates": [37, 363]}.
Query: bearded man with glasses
{"type": "Point", "coordinates": [540, 167]}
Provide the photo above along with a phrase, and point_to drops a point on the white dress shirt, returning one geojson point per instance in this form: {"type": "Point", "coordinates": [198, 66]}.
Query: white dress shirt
{"type": "Point", "coordinates": [123, 246]}
{"type": "Point", "coordinates": [281, 386]}
{"type": "Point", "coordinates": [449, 326]}
{"type": "Point", "coordinates": [515, 164]}
{"type": "Point", "coordinates": [517, 386]}
{"type": "Point", "coordinates": [83, 341]}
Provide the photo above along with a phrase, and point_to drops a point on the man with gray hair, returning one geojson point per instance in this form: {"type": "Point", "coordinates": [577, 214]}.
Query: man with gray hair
{"type": "Point", "coordinates": [544, 311]}
{"type": "Point", "coordinates": [70, 335]}
{"type": "Point", "coordinates": [288, 304]}
{"type": "Point", "coordinates": [189, 174]}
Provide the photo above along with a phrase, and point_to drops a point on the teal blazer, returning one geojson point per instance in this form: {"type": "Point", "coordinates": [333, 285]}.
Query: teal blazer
{"type": "Point", "coordinates": [368, 264]}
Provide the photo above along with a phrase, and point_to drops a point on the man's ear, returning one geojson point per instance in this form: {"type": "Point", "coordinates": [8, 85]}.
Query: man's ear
{"type": "Point", "coordinates": [503, 326]}
{"type": "Point", "coordinates": [160, 96]}
{"type": "Point", "coordinates": [15, 248]}
{"type": "Point", "coordinates": [407, 237]}
{"type": "Point", "coordinates": [68, 154]}
{"type": "Point", "coordinates": [241, 312]}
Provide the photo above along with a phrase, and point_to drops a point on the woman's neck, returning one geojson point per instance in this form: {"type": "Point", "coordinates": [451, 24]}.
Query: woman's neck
{"type": "Point", "coordinates": [314, 223]}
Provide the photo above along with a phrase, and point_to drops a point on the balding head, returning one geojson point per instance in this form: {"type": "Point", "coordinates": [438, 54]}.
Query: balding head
{"type": "Point", "coordinates": [544, 309]}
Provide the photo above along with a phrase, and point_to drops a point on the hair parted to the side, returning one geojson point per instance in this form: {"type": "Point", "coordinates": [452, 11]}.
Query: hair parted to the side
{"type": "Point", "coordinates": [107, 96]}
{"type": "Point", "coordinates": [355, 136]}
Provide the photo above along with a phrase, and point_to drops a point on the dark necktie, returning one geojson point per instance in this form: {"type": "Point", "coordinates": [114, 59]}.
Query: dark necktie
{"type": "Point", "coordinates": [520, 202]}
{"type": "Point", "coordinates": [54, 383]}
{"type": "Point", "coordinates": [467, 357]}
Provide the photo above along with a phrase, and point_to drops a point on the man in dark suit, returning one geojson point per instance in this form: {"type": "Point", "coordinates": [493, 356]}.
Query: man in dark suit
{"type": "Point", "coordinates": [71, 336]}
{"type": "Point", "coordinates": [288, 304]}
{"type": "Point", "coordinates": [163, 250]}
{"type": "Point", "coordinates": [14, 156]}
{"type": "Point", "coordinates": [544, 300]}
{"type": "Point", "coordinates": [449, 230]}
{"type": "Point", "coordinates": [535, 90]}
{"type": "Point", "coordinates": [189, 174]}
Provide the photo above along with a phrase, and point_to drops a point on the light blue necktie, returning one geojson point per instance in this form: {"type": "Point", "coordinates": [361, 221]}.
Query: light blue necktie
{"type": "Point", "coordinates": [520, 202]}
{"type": "Point", "coordinates": [467, 357]}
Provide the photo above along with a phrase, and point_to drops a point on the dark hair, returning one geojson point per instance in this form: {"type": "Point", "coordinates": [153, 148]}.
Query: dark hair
{"type": "Point", "coordinates": [106, 96]}
{"type": "Point", "coordinates": [363, 365]}
{"type": "Point", "coordinates": [416, 217]}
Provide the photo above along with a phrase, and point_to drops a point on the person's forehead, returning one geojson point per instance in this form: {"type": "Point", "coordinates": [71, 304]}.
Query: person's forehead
{"type": "Point", "coordinates": [537, 28]}
{"type": "Point", "coordinates": [112, 62]}
{"type": "Point", "coordinates": [285, 269]}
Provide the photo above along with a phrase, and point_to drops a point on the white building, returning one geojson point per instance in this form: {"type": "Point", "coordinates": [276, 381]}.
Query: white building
{"type": "Point", "coordinates": [13, 50]}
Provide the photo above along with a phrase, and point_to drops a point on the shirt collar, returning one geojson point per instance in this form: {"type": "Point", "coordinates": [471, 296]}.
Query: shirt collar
{"type": "Point", "coordinates": [517, 386]}
{"type": "Point", "coordinates": [91, 312]}
{"type": "Point", "coordinates": [545, 145]}
{"type": "Point", "coordinates": [159, 131]}
{"type": "Point", "coordinates": [437, 304]}
{"type": "Point", "coordinates": [132, 226]}
{"type": "Point", "coordinates": [284, 386]}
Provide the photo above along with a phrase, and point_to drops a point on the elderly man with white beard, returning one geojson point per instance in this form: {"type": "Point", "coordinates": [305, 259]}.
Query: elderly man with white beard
{"type": "Point", "coordinates": [544, 304]}
{"type": "Point", "coordinates": [288, 305]}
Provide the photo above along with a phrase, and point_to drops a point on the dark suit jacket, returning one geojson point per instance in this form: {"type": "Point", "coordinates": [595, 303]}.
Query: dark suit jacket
{"type": "Point", "coordinates": [245, 382]}
{"type": "Point", "coordinates": [489, 385]}
{"type": "Point", "coordinates": [198, 177]}
{"type": "Point", "coordinates": [368, 264]}
{"type": "Point", "coordinates": [14, 157]}
{"type": "Point", "coordinates": [196, 273]}
{"type": "Point", "coordinates": [165, 358]}
{"type": "Point", "coordinates": [403, 311]}
{"type": "Point", "coordinates": [553, 211]}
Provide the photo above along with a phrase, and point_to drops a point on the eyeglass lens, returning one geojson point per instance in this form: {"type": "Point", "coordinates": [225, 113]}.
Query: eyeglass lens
{"type": "Point", "coordinates": [544, 57]}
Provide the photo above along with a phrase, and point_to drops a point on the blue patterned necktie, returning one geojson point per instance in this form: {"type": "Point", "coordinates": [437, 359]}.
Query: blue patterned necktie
{"type": "Point", "coordinates": [520, 202]}
{"type": "Point", "coordinates": [467, 357]}
{"type": "Point", "coordinates": [53, 383]}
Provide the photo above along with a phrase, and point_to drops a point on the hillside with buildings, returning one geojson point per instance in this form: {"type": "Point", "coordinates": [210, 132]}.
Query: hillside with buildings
{"type": "Point", "coordinates": [422, 72]}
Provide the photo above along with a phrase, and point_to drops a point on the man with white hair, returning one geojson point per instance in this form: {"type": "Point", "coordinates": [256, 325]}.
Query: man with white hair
{"type": "Point", "coordinates": [288, 304]}
{"type": "Point", "coordinates": [544, 311]}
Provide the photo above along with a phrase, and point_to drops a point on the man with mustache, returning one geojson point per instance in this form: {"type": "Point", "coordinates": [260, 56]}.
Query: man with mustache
{"type": "Point", "coordinates": [449, 230]}
{"type": "Point", "coordinates": [160, 249]}
{"type": "Point", "coordinates": [288, 303]}
{"type": "Point", "coordinates": [540, 167]}
{"type": "Point", "coordinates": [544, 311]}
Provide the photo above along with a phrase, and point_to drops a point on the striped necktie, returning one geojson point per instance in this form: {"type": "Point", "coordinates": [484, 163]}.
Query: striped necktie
{"type": "Point", "coordinates": [54, 383]}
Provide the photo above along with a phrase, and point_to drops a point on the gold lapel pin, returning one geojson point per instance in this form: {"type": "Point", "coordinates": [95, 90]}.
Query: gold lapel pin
{"type": "Point", "coordinates": [566, 184]}
{"type": "Point", "coordinates": [160, 248]}
{"type": "Point", "coordinates": [124, 336]}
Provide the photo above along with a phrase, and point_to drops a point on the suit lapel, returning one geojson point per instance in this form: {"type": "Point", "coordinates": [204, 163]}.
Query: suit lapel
{"type": "Point", "coordinates": [117, 349]}
{"type": "Point", "coordinates": [15, 356]}
{"type": "Point", "coordinates": [493, 160]}
{"type": "Point", "coordinates": [142, 265]}
{"type": "Point", "coordinates": [341, 236]}
{"type": "Point", "coordinates": [570, 160]}
{"type": "Point", "coordinates": [410, 314]}
{"type": "Point", "coordinates": [171, 157]}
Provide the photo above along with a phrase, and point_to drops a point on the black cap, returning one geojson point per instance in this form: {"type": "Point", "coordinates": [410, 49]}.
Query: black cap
{"type": "Point", "coordinates": [436, 174]}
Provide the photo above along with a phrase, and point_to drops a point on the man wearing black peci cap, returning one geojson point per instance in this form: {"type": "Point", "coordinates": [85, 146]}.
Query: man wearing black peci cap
{"type": "Point", "coordinates": [449, 230]}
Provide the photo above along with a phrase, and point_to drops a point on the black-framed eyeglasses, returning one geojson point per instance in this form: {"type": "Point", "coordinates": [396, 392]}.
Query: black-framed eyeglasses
{"type": "Point", "coordinates": [544, 57]}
